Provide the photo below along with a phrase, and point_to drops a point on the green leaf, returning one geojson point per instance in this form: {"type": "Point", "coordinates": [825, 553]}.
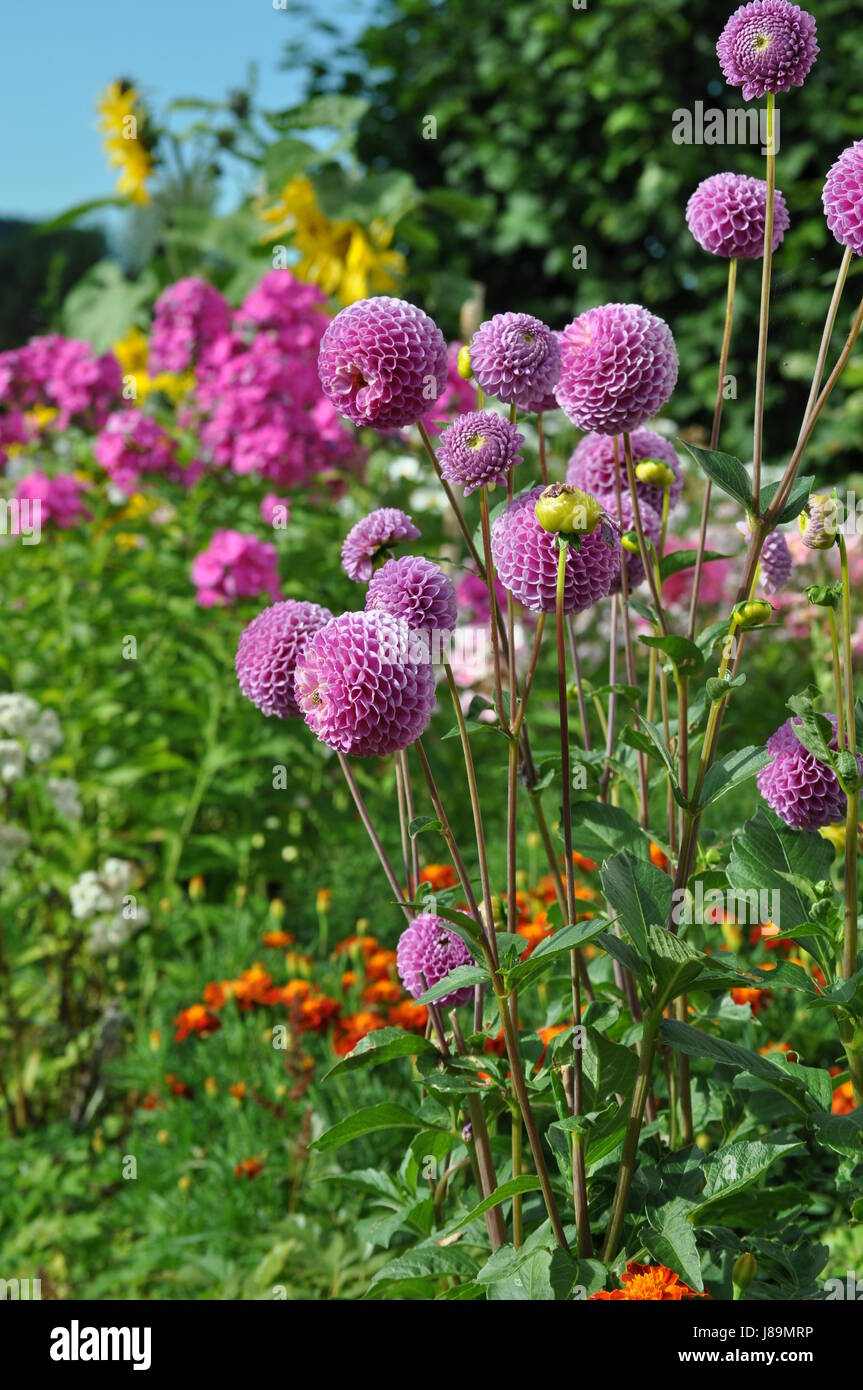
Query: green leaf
{"type": "Point", "coordinates": [411, 1271]}
{"type": "Point", "coordinates": [685, 655]}
{"type": "Point", "coordinates": [386, 1115]}
{"type": "Point", "coordinates": [459, 978]}
{"type": "Point", "coordinates": [726, 471]}
{"type": "Point", "coordinates": [841, 1133]}
{"type": "Point", "coordinates": [382, 1045]}
{"type": "Point", "coordinates": [717, 689]}
{"type": "Point", "coordinates": [675, 964]}
{"type": "Point", "coordinates": [565, 939]}
{"type": "Point", "coordinates": [677, 560]}
{"type": "Point", "coordinates": [641, 895]}
{"type": "Point", "coordinates": [609, 1068]}
{"type": "Point", "coordinates": [70, 215]}
{"type": "Point", "coordinates": [285, 159]}
{"type": "Point", "coordinates": [528, 1183]}
{"type": "Point", "coordinates": [730, 771]}
{"type": "Point", "coordinates": [695, 1043]}
{"type": "Point", "coordinates": [797, 498]}
{"type": "Point", "coordinates": [670, 1239]}
{"type": "Point", "coordinates": [736, 1165]}
{"type": "Point", "coordinates": [421, 823]}
{"type": "Point", "coordinates": [600, 829]}
{"type": "Point", "coordinates": [766, 854]}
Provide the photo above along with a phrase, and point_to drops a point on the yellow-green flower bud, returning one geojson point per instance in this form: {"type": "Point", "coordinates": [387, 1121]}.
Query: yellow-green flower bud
{"type": "Point", "coordinates": [655, 472]}
{"type": "Point", "coordinates": [567, 509]}
{"type": "Point", "coordinates": [463, 366]}
{"type": "Point", "coordinates": [629, 541]}
{"type": "Point", "coordinates": [818, 522]}
{"type": "Point", "coordinates": [755, 613]}
{"type": "Point", "coordinates": [743, 1272]}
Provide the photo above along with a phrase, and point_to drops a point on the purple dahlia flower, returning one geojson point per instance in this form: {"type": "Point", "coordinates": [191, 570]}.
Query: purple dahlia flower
{"type": "Point", "coordinates": [358, 688]}
{"type": "Point", "coordinates": [776, 563]}
{"type": "Point", "coordinates": [618, 368]}
{"type": "Point", "coordinates": [479, 448]}
{"type": "Point", "coordinates": [525, 558]}
{"type": "Point", "coordinates": [383, 362]}
{"type": "Point", "coordinates": [651, 522]}
{"type": "Point", "coordinates": [843, 198]}
{"type": "Point", "coordinates": [267, 654]}
{"type": "Point", "coordinates": [591, 466]}
{"type": "Point", "coordinates": [417, 590]}
{"type": "Point", "coordinates": [767, 46]}
{"type": "Point", "coordinates": [801, 790]}
{"type": "Point", "coordinates": [726, 215]}
{"type": "Point", "coordinates": [376, 532]}
{"type": "Point", "coordinates": [430, 948]}
{"type": "Point", "coordinates": [516, 357]}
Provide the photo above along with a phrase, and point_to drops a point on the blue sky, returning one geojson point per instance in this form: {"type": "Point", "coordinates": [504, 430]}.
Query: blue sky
{"type": "Point", "coordinates": [57, 56]}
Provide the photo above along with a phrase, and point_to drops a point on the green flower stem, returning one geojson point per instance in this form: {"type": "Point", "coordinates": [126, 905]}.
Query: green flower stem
{"type": "Point", "coordinates": [488, 911]}
{"type": "Point", "coordinates": [650, 1031]}
{"type": "Point", "coordinates": [629, 649]}
{"type": "Point", "coordinates": [517, 1212]}
{"type": "Point", "coordinates": [403, 827]}
{"type": "Point", "coordinates": [453, 502]}
{"type": "Point", "coordinates": [492, 598]}
{"type": "Point", "coordinates": [488, 1180]}
{"type": "Point", "coordinates": [714, 442]}
{"type": "Point", "coordinates": [764, 315]}
{"type": "Point", "coordinates": [827, 334]}
{"type": "Point", "coordinates": [579, 685]}
{"type": "Point", "coordinates": [837, 680]}
{"type": "Point", "coordinates": [849, 955]}
{"type": "Point", "coordinates": [642, 540]}
{"type": "Point", "coordinates": [579, 1173]}
{"type": "Point", "coordinates": [373, 835]}
{"type": "Point", "coordinates": [455, 854]}
{"type": "Point", "coordinates": [411, 813]}
{"type": "Point", "coordinates": [543, 466]}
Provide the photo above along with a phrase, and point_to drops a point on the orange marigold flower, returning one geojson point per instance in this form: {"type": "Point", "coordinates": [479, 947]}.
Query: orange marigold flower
{"type": "Point", "coordinates": [843, 1099]}
{"type": "Point", "coordinates": [380, 965]}
{"type": "Point", "coordinates": [409, 1015]}
{"type": "Point", "coordinates": [276, 940]}
{"type": "Point", "coordinates": [349, 979]}
{"type": "Point", "coordinates": [382, 992]}
{"type": "Point", "coordinates": [366, 944]}
{"type": "Point", "coordinates": [295, 991]}
{"type": "Point", "coordinates": [350, 1030]}
{"type": "Point", "coordinates": [777, 1047]}
{"type": "Point", "coordinates": [765, 933]}
{"type": "Point", "coordinates": [238, 1090]}
{"type": "Point", "coordinates": [582, 862]}
{"type": "Point", "coordinates": [216, 995]}
{"type": "Point", "coordinates": [650, 1282]}
{"type": "Point", "coordinates": [658, 857]}
{"type": "Point", "coordinates": [323, 899]}
{"type": "Point", "coordinates": [496, 1045]}
{"type": "Point", "coordinates": [317, 1013]}
{"type": "Point", "coordinates": [534, 932]}
{"type": "Point", "coordinates": [252, 986]}
{"type": "Point", "coordinates": [438, 875]}
{"type": "Point", "coordinates": [547, 1034]}
{"type": "Point", "coordinates": [177, 1087]}
{"type": "Point", "coordinates": [757, 999]}
{"type": "Point", "coordinates": [545, 889]}
{"type": "Point", "coordinates": [249, 1168]}
{"type": "Point", "coordinates": [196, 1019]}
{"type": "Point", "coordinates": [150, 1101]}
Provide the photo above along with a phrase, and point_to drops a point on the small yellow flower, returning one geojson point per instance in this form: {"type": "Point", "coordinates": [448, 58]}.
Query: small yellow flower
{"type": "Point", "coordinates": [185, 1182]}
{"type": "Point", "coordinates": [211, 1086]}
{"type": "Point", "coordinates": [121, 115]}
{"type": "Point", "coordinates": [323, 899]}
{"type": "Point", "coordinates": [131, 351]}
{"type": "Point", "coordinates": [155, 1040]}
{"type": "Point", "coordinates": [163, 1136]}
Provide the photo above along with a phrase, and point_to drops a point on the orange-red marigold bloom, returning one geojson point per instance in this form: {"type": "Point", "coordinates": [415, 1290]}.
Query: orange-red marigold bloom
{"type": "Point", "coordinates": [649, 1282]}
{"type": "Point", "coordinates": [196, 1019]}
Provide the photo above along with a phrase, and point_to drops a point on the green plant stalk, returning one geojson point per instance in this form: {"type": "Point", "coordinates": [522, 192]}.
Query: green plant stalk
{"type": "Point", "coordinates": [517, 1212]}
{"type": "Point", "coordinates": [764, 314]}
{"type": "Point", "coordinates": [485, 1162]}
{"type": "Point", "coordinates": [837, 680]}
{"type": "Point", "coordinates": [650, 1030]}
{"type": "Point", "coordinates": [366, 819]}
{"type": "Point", "coordinates": [849, 954]}
{"type": "Point", "coordinates": [492, 599]}
{"type": "Point", "coordinates": [579, 1172]}
{"type": "Point", "coordinates": [629, 649]}
{"type": "Point", "coordinates": [473, 789]}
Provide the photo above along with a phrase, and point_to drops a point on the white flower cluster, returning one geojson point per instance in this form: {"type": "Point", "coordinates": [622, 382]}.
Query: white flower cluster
{"type": "Point", "coordinates": [103, 898]}
{"type": "Point", "coordinates": [12, 840]}
{"type": "Point", "coordinates": [29, 733]}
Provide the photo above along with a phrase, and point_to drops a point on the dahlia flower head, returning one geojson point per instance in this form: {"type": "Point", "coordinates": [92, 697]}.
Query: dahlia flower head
{"type": "Point", "coordinates": [843, 198]}
{"type": "Point", "coordinates": [592, 466]}
{"type": "Point", "coordinates": [376, 532]}
{"type": "Point", "coordinates": [416, 590]}
{"type": "Point", "coordinates": [775, 564]}
{"type": "Point", "coordinates": [727, 212]}
{"type": "Point", "coordinates": [803, 792]}
{"type": "Point", "coordinates": [430, 948]}
{"type": "Point", "coordinates": [479, 449]}
{"type": "Point", "coordinates": [651, 523]}
{"type": "Point", "coordinates": [516, 358]}
{"type": "Point", "coordinates": [767, 46]}
{"type": "Point", "coordinates": [358, 688]}
{"type": "Point", "coordinates": [235, 566]}
{"type": "Point", "coordinates": [188, 317]}
{"type": "Point", "coordinates": [456, 398]}
{"type": "Point", "coordinates": [618, 368]}
{"type": "Point", "coordinates": [132, 443]}
{"type": "Point", "coordinates": [267, 654]}
{"type": "Point", "coordinates": [59, 499]}
{"type": "Point", "coordinates": [526, 556]}
{"type": "Point", "coordinates": [382, 362]}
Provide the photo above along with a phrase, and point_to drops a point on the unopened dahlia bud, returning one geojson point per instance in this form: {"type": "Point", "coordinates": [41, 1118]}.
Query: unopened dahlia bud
{"type": "Point", "coordinates": [467, 1133]}
{"type": "Point", "coordinates": [743, 1272]}
{"type": "Point", "coordinates": [818, 522]}
{"type": "Point", "coordinates": [754, 613]}
{"type": "Point", "coordinates": [561, 507]}
{"type": "Point", "coordinates": [656, 472]}
{"type": "Point", "coordinates": [629, 541]}
{"type": "Point", "coordinates": [527, 559]}
{"type": "Point", "coordinates": [465, 370]}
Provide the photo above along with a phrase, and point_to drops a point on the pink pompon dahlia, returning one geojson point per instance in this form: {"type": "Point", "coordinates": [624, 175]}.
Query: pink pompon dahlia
{"type": "Point", "coordinates": [651, 523]}
{"type": "Point", "coordinates": [776, 562]}
{"type": "Point", "coordinates": [235, 566]}
{"type": "Point", "coordinates": [188, 317]}
{"type": "Point", "coordinates": [383, 362]}
{"type": "Point", "coordinates": [132, 443]}
{"type": "Point", "coordinates": [479, 449]}
{"type": "Point", "coordinates": [415, 589]}
{"type": "Point", "coordinates": [58, 499]}
{"type": "Point", "coordinates": [592, 466]}
{"type": "Point", "coordinates": [727, 212]}
{"type": "Point", "coordinates": [618, 368]}
{"type": "Point", "coordinates": [430, 948]}
{"type": "Point", "coordinates": [525, 558]}
{"type": "Point", "coordinates": [516, 358]}
{"type": "Point", "coordinates": [843, 198]}
{"type": "Point", "coordinates": [376, 533]}
{"type": "Point", "coordinates": [801, 790]}
{"type": "Point", "coordinates": [267, 654]}
{"type": "Point", "coordinates": [359, 690]}
{"type": "Point", "coordinates": [767, 46]}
